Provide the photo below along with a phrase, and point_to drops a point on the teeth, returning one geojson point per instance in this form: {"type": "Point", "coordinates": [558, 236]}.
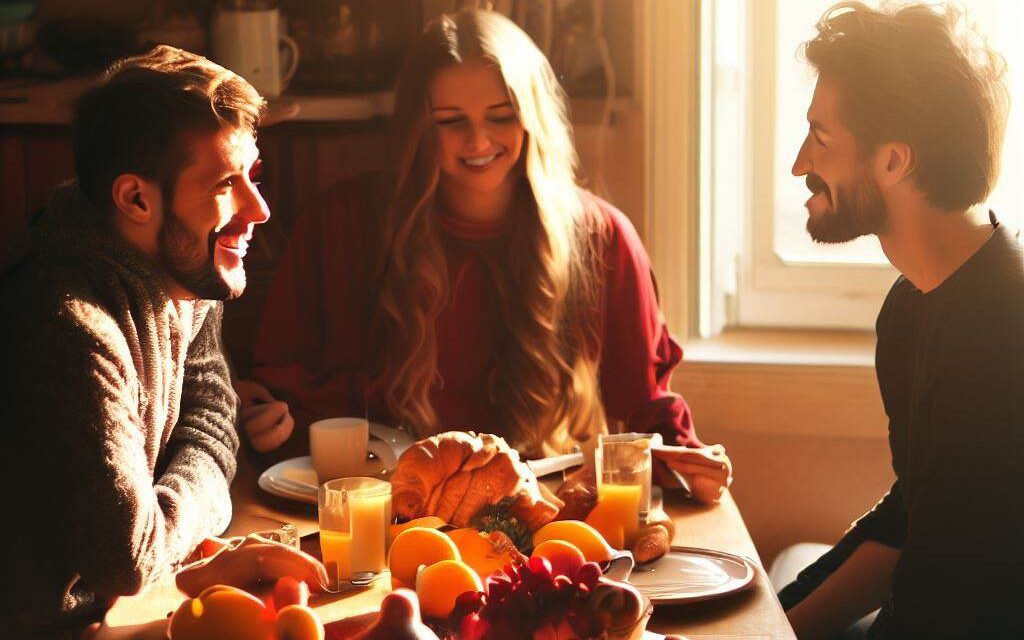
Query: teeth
{"type": "Point", "coordinates": [480, 162]}
{"type": "Point", "coordinates": [236, 242]}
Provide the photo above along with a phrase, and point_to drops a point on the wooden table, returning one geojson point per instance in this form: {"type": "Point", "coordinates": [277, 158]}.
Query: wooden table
{"type": "Point", "coordinates": [755, 613]}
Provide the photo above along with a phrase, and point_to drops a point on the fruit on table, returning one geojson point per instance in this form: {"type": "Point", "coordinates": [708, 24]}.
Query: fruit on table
{"type": "Point", "coordinates": [485, 552]}
{"type": "Point", "coordinates": [298, 622]}
{"type": "Point", "coordinates": [565, 557]}
{"type": "Point", "coordinates": [530, 601]}
{"type": "Point", "coordinates": [223, 612]}
{"type": "Point", "coordinates": [399, 619]}
{"type": "Point", "coordinates": [229, 613]}
{"type": "Point", "coordinates": [288, 591]}
{"type": "Point", "coordinates": [583, 536]}
{"type": "Point", "coordinates": [429, 522]}
{"type": "Point", "coordinates": [415, 547]}
{"type": "Point", "coordinates": [440, 584]}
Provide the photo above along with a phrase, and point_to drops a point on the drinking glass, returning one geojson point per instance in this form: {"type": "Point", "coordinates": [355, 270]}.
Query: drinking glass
{"type": "Point", "coordinates": [354, 515]}
{"type": "Point", "coordinates": [623, 464]}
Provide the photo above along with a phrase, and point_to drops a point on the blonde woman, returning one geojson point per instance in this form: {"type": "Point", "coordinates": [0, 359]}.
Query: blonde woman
{"type": "Point", "coordinates": [477, 287]}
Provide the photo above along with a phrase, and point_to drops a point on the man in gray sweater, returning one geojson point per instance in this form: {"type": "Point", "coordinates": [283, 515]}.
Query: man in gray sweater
{"type": "Point", "coordinates": [116, 404]}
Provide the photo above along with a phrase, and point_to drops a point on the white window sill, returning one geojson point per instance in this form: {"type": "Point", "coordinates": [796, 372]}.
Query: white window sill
{"type": "Point", "coordinates": [783, 383]}
{"type": "Point", "coordinates": [785, 347]}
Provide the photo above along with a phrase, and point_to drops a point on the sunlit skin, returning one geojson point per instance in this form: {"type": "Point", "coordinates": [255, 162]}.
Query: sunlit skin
{"type": "Point", "coordinates": [479, 141]}
{"type": "Point", "coordinates": [845, 202]}
{"type": "Point", "coordinates": [216, 196]}
{"type": "Point", "coordinates": [854, 194]}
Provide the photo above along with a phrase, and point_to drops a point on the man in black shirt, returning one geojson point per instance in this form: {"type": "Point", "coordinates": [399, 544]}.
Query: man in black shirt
{"type": "Point", "coordinates": [906, 128]}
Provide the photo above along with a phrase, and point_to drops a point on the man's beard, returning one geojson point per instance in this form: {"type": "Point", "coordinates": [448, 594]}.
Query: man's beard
{"type": "Point", "coordinates": [179, 254]}
{"type": "Point", "coordinates": [856, 212]}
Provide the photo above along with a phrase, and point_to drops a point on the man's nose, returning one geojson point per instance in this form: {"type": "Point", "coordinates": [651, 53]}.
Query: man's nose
{"type": "Point", "coordinates": [254, 207]}
{"type": "Point", "coordinates": [802, 164]}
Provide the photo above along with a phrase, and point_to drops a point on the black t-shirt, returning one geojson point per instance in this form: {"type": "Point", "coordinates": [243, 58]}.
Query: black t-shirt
{"type": "Point", "coordinates": [950, 366]}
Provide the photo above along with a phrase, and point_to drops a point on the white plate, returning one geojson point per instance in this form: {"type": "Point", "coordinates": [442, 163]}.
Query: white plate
{"type": "Point", "coordinates": [687, 574]}
{"type": "Point", "coordinates": [295, 478]}
{"type": "Point", "coordinates": [399, 439]}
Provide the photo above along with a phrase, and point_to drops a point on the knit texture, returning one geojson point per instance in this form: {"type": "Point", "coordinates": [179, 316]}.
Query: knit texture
{"type": "Point", "coordinates": [118, 417]}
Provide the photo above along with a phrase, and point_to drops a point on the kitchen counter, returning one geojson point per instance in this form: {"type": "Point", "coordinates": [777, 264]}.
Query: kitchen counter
{"type": "Point", "coordinates": [51, 104]}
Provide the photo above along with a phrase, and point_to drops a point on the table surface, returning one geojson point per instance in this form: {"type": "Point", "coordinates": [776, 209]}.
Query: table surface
{"type": "Point", "coordinates": [754, 613]}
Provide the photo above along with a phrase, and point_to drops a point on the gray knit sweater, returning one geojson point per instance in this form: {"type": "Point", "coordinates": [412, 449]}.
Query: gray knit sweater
{"type": "Point", "coordinates": [118, 418]}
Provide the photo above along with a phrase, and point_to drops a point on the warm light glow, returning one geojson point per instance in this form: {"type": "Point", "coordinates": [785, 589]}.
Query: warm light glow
{"type": "Point", "coordinates": [998, 20]}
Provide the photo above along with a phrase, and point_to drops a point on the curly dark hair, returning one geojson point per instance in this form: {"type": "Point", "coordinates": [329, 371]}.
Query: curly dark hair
{"type": "Point", "coordinates": [919, 74]}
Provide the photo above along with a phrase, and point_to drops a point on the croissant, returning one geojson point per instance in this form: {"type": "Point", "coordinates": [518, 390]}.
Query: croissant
{"type": "Point", "coordinates": [454, 475]}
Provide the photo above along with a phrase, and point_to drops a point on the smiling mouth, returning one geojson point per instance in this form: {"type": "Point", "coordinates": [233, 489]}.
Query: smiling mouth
{"type": "Point", "coordinates": [481, 161]}
{"type": "Point", "coordinates": [819, 200]}
{"type": "Point", "coordinates": [237, 243]}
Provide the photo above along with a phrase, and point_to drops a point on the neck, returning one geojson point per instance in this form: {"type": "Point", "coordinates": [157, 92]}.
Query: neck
{"type": "Point", "coordinates": [476, 206]}
{"type": "Point", "coordinates": [927, 244]}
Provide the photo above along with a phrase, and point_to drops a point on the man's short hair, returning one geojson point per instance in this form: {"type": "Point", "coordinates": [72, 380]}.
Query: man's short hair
{"type": "Point", "coordinates": [137, 119]}
{"type": "Point", "coordinates": [917, 74]}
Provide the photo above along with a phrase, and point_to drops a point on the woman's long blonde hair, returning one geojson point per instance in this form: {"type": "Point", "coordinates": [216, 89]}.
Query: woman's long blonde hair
{"type": "Point", "coordinates": [543, 389]}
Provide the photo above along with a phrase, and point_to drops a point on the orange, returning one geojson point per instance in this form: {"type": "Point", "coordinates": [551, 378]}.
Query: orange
{"type": "Point", "coordinates": [440, 584]}
{"type": "Point", "coordinates": [429, 522]}
{"type": "Point", "coordinates": [414, 547]}
{"type": "Point", "coordinates": [564, 557]}
{"type": "Point", "coordinates": [485, 552]}
{"type": "Point", "coordinates": [223, 612]}
{"type": "Point", "coordinates": [298, 622]}
{"type": "Point", "coordinates": [580, 534]}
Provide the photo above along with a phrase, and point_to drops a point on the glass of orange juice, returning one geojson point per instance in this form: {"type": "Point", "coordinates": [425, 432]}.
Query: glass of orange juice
{"type": "Point", "coordinates": [354, 515]}
{"type": "Point", "coordinates": [623, 464]}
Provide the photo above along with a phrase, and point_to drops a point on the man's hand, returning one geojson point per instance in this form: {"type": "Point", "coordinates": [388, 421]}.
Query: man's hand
{"type": "Point", "coordinates": [266, 422]}
{"type": "Point", "coordinates": [241, 562]}
{"type": "Point", "coordinates": [708, 470]}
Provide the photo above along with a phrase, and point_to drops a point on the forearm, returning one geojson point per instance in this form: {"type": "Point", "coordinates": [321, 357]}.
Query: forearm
{"type": "Point", "coordinates": [860, 585]}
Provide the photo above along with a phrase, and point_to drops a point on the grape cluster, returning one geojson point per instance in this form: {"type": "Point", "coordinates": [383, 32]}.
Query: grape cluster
{"type": "Point", "coordinates": [525, 600]}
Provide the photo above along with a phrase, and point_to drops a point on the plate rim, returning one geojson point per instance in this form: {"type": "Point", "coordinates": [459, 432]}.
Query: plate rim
{"type": "Point", "coordinates": [747, 582]}
{"type": "Point", "coordinates": [266, 481]}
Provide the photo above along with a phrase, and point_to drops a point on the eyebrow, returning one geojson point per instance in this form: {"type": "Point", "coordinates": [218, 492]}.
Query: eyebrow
{"type": "Point", "coordinates": [233, 171]}
{"type": "Point", "coordinates": [499, 105]}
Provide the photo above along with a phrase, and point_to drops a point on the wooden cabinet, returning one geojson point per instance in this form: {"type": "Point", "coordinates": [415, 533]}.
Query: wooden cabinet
{"type": "Point", "coordinates": [33, 160]}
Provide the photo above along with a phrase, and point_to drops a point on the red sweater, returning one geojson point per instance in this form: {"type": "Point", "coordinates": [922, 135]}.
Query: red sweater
{"type": "Point", "coordinates": [316, 346]}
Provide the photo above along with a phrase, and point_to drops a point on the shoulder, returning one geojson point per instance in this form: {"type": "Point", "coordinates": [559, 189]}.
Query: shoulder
{"type": "Point", "coordinates": [58, 310]}
{"type": "Point", "coordinates": [613, 229]}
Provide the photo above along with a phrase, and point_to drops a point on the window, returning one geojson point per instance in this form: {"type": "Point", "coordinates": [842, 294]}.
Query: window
{"type": "Point", "coordinates": [763, 269]}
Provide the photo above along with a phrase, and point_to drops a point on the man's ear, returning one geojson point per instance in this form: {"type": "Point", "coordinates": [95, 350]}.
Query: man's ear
{"type": "Point", "coordinates": [895, 162]}
{"type": "Point", "coordinates": [135, 197]}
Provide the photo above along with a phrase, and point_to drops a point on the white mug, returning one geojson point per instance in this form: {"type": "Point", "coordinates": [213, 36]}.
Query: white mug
{"type": "Point", "coordinates": [339, 446]}
{"type": "Point", "coordinates": [249, 43]}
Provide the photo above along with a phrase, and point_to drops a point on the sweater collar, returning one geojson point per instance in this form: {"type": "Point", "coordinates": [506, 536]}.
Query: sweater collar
{"type": "Point", "coordinates": [72, 226]}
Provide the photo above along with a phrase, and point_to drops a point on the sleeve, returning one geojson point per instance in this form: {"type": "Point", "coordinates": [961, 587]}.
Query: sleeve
{"type": "Point", "coordinates": [886, 523]}
{"type": "Point", "coordinates": [198, 462]}
{"type": "Point", "coordinates": [121, 530]}
{"type": "Point", "coordinates": [293, 353]}
{"type": "Point", "coordinates": [638, 354]}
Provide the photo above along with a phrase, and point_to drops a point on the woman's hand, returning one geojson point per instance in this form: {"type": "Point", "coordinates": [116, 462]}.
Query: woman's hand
{"type": "Point", "coordinates": [266, 422]}
{"type": "Point", "coordinates": [707, 470]}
